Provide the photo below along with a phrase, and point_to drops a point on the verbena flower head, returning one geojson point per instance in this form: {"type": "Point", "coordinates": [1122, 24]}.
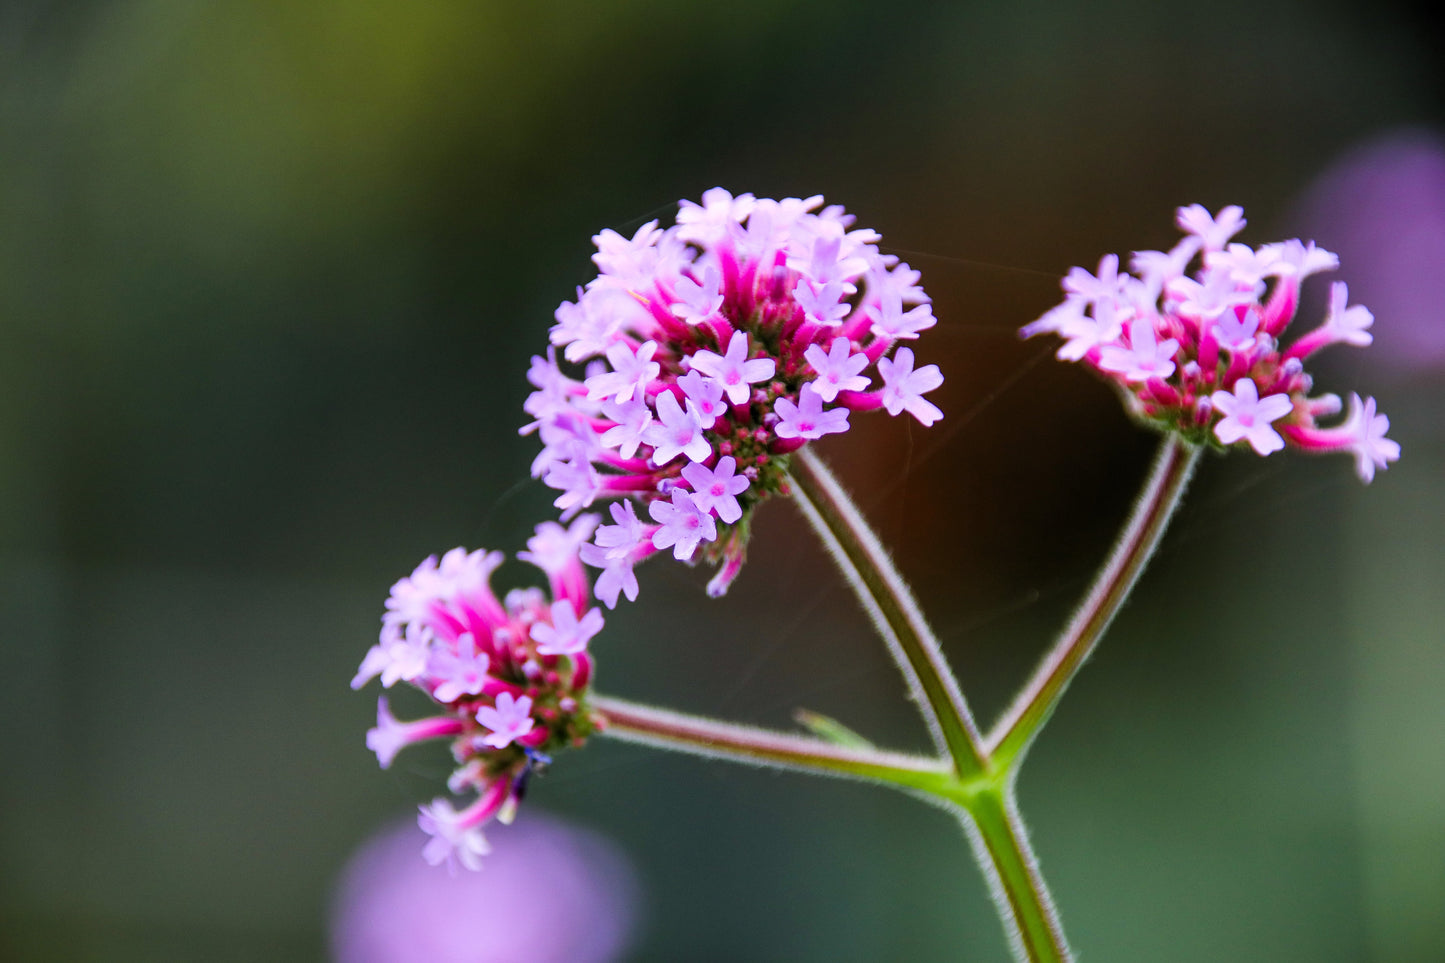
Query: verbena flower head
{"type": "Point", "coordinates": [709, 351]}
{"type": "Point", "coordinates": [1200, 354]}
{"type": "Point", "coordinates": [510, 677]}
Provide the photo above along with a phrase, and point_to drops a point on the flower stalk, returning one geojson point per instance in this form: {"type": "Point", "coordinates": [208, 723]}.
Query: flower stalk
{"type": "Point", "coordinates": [1002, 850]}
{"type": "Point", "coordinates": [1173, 467]}
{"type": "Point", "coordinates": [894, 612]}
{"type": "Point", "coordinates": [697, 735]}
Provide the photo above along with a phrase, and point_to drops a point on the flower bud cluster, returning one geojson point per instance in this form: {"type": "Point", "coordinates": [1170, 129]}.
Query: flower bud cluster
{"type": "Point", "coordinates": [510, 676]}
{"type": "Point", "coordinates": [711, 350]}
{"type": "Point", "coordinates": [1200, 354]}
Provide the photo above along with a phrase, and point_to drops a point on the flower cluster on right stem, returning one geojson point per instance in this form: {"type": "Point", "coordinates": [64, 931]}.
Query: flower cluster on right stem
{"type": "Point", "coordinates": [1200, 354]}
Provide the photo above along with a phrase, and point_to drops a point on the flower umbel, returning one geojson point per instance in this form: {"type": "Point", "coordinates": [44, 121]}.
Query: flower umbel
{"type": "Point", "coordinates": [713, 349]}
{"type": "Point", "coordinates": [1200, 354]}
{"type": "Point", "coordinates": [510, 677]}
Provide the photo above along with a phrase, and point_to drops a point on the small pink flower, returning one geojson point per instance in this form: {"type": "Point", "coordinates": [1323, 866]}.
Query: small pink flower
{"type": "Point", "coordinates": [1215, 232]}
{"type": "Point", "coordinates": [554, 547]}
{"type": "Point", "coordinates": [822, 303]}
{"type": "Point", "coordinates": [733, 371]}
{"type": "Point", "coordinates": [894, 323]}
{"type": "Point", "coordinates": [455, 838]}
{"type": "Point", "coordinates": [458, 673]}
{"type": "Point", "coordinates": [903, 387]}
{"type": "Point", "coordinates": [632, 419]}
{"type": "Point", "coordinates": [1247, 416]}
{"type": "Point", "coordinates": [1145, 357]}
{"type": "Point", "coordinates": [1091, 288]}
{"type": "Point", "coordinates": [391, 736]}
{"type": "Point", "coordinates": [699, 301]}
{"type": "Point", "coordinates": [717, 489]}
{"type": "Point", "coordinates": [567, 635]}
{"type": "Point", "coordinates": [631, 372]}
{"type": "Point", "coordinates": [683, 525]}
{"type": "Point", "coordinates": [400, 656]}
{"type": "Point", "coordinates": [705, 394]}
{"type": "Point", "coordinates": [678, 432]}
{"type": "Point", "coordinates": [807, 419]}
{"type": "Point", "coordinates": [838, 369]}
{"type": "Point", "coordinates": [509, 721]}
{"type": "Point", "coordinates": [1367, 429]}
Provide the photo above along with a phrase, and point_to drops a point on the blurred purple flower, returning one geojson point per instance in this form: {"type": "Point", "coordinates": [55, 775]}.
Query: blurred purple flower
{"type": "Point", "coordinates": [550, 892]}
{"type": "Point", "coordinates": [1382, 208]}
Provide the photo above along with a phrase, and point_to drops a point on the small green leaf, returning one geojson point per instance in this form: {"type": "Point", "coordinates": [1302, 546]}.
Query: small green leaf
{"type": "Point", "coordinates": [830, 729]}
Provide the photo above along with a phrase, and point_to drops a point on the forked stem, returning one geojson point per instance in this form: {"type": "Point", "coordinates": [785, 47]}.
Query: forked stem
{"type": "Point", "coordinates": [985, 807]}
{"type": "Point", "coordinates": [1001, 846]}
{"type": "Point", "coordinates": [976, 775]}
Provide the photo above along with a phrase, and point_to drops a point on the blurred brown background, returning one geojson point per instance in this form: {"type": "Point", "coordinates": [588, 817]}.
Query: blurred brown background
{"type": "Point", "coordinates": [270, 274]}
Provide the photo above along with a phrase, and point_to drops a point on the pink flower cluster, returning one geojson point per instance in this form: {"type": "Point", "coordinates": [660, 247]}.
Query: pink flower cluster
{"type": "Point", "coordinates": [711, 350]}
{"type": "Point", "coordinates": [511, 677]}
{"type": "Point", "coordinates": [1200, 354]}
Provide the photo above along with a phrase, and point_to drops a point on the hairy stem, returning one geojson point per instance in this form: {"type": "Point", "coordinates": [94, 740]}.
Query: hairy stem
{"type": "Point", "coordinates": [709, 737]}
{"type": "Point", "coordinates": [894, 611]}
{"type": "Point", "coordinates": [1001, 848]}
{"type": "Point", "coordinates": [1173, 467]}
{"type": "Point", "coordinates": [985, 805]}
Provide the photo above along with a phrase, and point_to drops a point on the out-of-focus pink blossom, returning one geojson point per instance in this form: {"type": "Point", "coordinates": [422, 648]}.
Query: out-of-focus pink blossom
{"type": "Point", "coordinates": [550, 892]}
{"type": "Point", "coordinates": [1382, 207]}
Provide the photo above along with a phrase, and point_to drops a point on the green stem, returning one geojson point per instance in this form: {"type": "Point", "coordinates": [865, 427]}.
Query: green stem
{"type": "Point", "coordinates": [1173, 466]}
{"type": "Point", "coordinates": [709, 737]}
{"type": "Point", "coordinates": [894, 611]}
{"type": "Point", "coordinates": [984, 805]}
{"type": "Point", "coordinates": [1000, 842]}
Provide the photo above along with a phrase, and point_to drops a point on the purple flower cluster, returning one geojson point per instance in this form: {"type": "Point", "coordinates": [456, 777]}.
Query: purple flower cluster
{"type": "Point", "coordinates": [510, 675]}
{"type": "Point", "coordinates": [1200, 354]}
{"type": "Point", "coordinates": [710, 351]}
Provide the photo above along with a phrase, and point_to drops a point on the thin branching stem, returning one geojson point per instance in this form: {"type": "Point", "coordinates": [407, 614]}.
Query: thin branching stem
{"type": "Point", "coordinates": [701, 736]}
{"type": "Point", "coordinates": [895, 613]}
{"type": "Point", "coordinates": [1173, 467]}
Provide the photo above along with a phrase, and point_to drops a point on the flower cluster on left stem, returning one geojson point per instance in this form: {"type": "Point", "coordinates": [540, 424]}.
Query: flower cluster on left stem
{"type": "Point", "coordinates": [510, 677]}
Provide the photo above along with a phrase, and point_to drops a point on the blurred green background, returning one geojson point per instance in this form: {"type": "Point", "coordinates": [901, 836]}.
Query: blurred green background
{"type": "Point", "coordinates": [270, 273]}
